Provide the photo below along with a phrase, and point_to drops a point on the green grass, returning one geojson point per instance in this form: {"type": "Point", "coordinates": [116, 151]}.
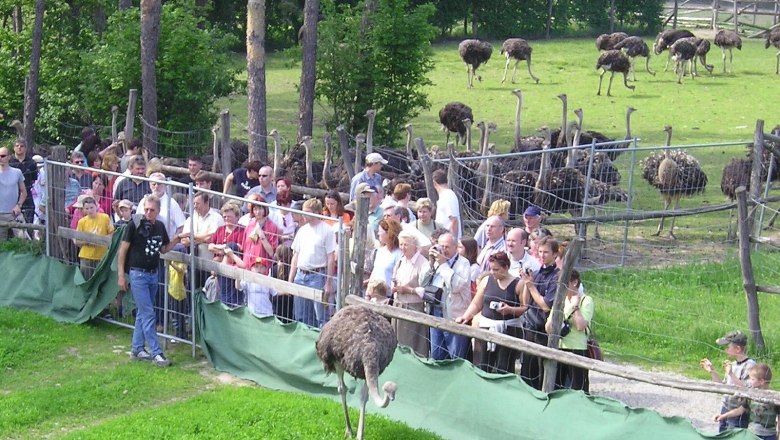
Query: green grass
{"type": "Point", "coordinates": [69, 381]}
{"type": "Point", "coordinates": [668, 318]}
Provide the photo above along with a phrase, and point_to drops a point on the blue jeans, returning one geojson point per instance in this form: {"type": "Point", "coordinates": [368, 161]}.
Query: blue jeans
{"type": "Point", "coordinates": [144, 288]}
{"type": "Point", "coordinates": [733, 422]}
{"type": "Point", "coordinates": [446, 345]}
{"type": "Point", "coordinates": [305, 310]}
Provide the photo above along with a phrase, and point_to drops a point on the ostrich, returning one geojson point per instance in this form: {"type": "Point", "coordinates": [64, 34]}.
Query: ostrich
{"type": "Point", "coordinates": [682, 52]}
{"type": "Point", "coordinates": [17, 124]}
{"type": "Point", "coordinates": [522, 144]}
{"type": "Point", "coordinates": [451, 117]}
{"type": "Point", "coordinates": [773, 39]}
{"type": "Point", "coordinates": [666, 38]}
{"type": "Point", "coordinates": [608, 41]}
{"type": "Point", "coordinates": [362, 343]}
{"type": "Point", "coordinates": [727, 40]}
{"type": "Point", "coordinates": [614, 61]}
{"type": "Point", "coordinates": [635, 47]}
{"type": "Point", "coordinates": [519, 50]}
{"type": "Point", "coordinates": [735, 174]}
{"type": "Point", "coordinates": [702, 49]}
{"type": "Point", "coordinates": [474, 53]}
{"type": "Point", "coordinates": [675, 174]}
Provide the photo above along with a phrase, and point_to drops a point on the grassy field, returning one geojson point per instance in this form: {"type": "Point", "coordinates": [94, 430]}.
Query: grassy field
{"type": "Point", "coordinates": [77, 382]}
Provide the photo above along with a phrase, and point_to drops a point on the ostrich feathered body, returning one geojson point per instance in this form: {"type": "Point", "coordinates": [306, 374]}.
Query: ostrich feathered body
{"type": "Point", "coordinates": [634, 47]}
{"type": "Point", "coordinates": [726, 38]}
{"type": "Point", "coordinates": [452, 115]}
{"type": "Point", "coordinates": [613, 61]}
{"type": "Point", "coordinates": [689, 179]}
{"type": "Point", "coordinates": [358, 340]}
{"type": "Point", "coordinates": [517, 48]}
{"type": "Point", "coordinates": [735, 174]}
{"type": "Point", "coordinates": [668, 37]}
{"type": "Point", "coordinates": [475, 52]}
{"type": "Point", "coordinates": [608, 41]}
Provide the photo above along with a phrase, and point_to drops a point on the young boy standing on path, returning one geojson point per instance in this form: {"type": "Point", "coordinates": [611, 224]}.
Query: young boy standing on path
{"type": "Point", "coordinates": [736, 373]}
{"type": "Point", "coordinates": [763, 416]}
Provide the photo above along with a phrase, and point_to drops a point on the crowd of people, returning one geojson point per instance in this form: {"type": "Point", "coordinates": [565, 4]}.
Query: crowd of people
{"type": "Point", "coordinates": [502, 279]}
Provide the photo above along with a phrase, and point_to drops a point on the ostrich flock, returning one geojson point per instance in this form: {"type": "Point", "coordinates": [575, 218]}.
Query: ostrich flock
{"type": "Point", "coordinates": [619, 52]}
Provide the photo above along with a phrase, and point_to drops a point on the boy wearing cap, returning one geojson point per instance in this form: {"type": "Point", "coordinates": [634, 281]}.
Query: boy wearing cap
{"type": "Point", "coordinates": [763, 416]}
{"type": "Point", "coordinates": [258, 295]}
{"type": "Point", "coordinates": [369, 175]}
{"type": "Point", "coordinates": [736, 373]}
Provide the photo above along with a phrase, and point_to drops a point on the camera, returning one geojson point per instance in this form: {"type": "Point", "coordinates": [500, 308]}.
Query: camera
{"type": "Point", "coordinates": [528, 269]}
{"type": "Point", "coordinates": [494, 305]}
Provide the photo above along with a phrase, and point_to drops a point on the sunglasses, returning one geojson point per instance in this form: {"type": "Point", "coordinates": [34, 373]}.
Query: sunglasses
{"type": "Point", "coordinates": [78, 161]}
{"type": "Point", "coordinates": [3, 156]}
{"type": "Point", "coordinates": [263, 175]}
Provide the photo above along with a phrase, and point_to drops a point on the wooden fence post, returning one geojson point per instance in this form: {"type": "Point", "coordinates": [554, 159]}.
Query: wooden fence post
{"type": "Point", "coordinates": [550, 365]}
{"type": "Point", "coordinates": [344, 147]}
{"type": "Point", "coordinates": [130, 118]}
{"type": "Point", "coordinates": [425, 160]}
{"type": "Point", "coordinates": [114, 112]}
{"type": "Point", "coordinates": [225, 150]}
{"type": "Point", "coordinates": [345, 266]}
{"type": "Point", "coordinates": [748, 280]}
{"type": "Point", "coordinates": [757, 171]}
{"type": "Point", "coordinates": [359, 243]}
{"type": "Point", "coordinates": [57, 181]}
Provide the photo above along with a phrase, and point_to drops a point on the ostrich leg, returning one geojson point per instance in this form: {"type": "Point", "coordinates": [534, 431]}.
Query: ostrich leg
{"type": "Point", "coordinates": [514, 72]}
{"type": "Point", "coordinates": [666, 67]}
{"type": "Point", "coordinates": [625, 81]}
{"type": "Point", "coordinates": [506, 67]}
{"type": "Point", "coordinates": [609, 88]}
{"type": "Point", "coordinates": [723, 57]}
{"type": "Point", "coordinates": [631, 63]}
{"type": "Point", "coordinates": [680, 71]}
{"type": "Point", "coordinates": [777, 64]}
{"type": "Point", "coordinates": [343, 392]}
{"type": "Point", "coordinates": [601, 78]}
{"type": "Point", "coordinates": [667, 202]}
{"type": "Point", "coordinates": [528, 61]}
{"type": "Point", "coordinates": [362, 421]}
{"type": "Point", "coordinates": [671, 227]}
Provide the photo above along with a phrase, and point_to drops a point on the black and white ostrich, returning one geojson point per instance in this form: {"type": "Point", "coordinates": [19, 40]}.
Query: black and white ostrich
{"type": "Point", "coordinates": [735, 174]}
{"type": "Point", "coordinates": [675, 174]}
{"type": "Point", "coordinates": [683, 51]}
{"type": "Point", "coordinates": [362, 343]}
{"type": "Point", "coordinates": [451, 117]}
{"type": "Point", "coordinates": [474, 53]}
{"type": "Point", "coordinates": [727, 40]}
{"type": "Point", "coordinates": [635, 47]}
{"type": "Point", "coordinates": [666, 38]}
{"type": "Point", "coordinates": [773, 39]}
{"type": "Point", "coordinates": [517, 49]}
{"type": "Point", "coordinates": [608, 41]}
{"type": "Point", "coordinates": [702, 49]}
{"type": "Point", "coordinates": [613, 61]}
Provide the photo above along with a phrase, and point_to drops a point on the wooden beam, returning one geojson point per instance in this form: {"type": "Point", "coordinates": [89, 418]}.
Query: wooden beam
{"type": "Point", "coordinates": [18, 225]}
{"type": "Point", "coordinates": [748, 279]}
{"type": "Point", "coordinates": [768, 289]}
{"type": "Point", "coordinates": [564, 357]}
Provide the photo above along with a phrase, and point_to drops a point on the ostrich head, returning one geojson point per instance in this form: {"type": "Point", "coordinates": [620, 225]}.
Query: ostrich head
{"type": "Point", "coordinates": [390, 388]}
{"type": "Point", "coordinates": [409, 129]}
{"type": "Point", "coordinates": [18, 126]}
{"type": "Point", "coordinates": [518, 93]}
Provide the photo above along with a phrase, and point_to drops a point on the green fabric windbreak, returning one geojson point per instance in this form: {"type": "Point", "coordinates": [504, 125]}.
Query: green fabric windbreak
{"type": "Point", "coordinates": [453, 399]}
{"type": "Point", "coordinates": [58, 290]}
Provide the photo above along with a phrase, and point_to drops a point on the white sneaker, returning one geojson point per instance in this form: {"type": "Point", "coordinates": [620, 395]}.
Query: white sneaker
{"type": "Point", "coordinates": [142, 355]}
{"type": "Point", "coordinates": [161, 361]}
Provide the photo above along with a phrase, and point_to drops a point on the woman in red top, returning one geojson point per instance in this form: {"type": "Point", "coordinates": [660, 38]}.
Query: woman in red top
{"type": "Point", "coordinates": [261, 236]}
{"type": "Point", "coordinates": [101, 194]}
{"type": "Point", "coordinates": [230, 232]}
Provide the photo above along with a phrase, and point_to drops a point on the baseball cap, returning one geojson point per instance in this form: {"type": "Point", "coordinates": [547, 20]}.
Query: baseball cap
{"type": "Point", "coordinates": [374, 158]}
{"type": "Point", "coordinates": [532, 211]}
{"type": "Point", "coordinates": [38, 160]}
{"type": "Point", "coordinates": [124, 203]}
{"type": "Point", "coordinates": [388, 203]}
{"type": "Point", "coordinates": [79, 203]}
{"type": "Point", "coordinates": [262, 261]}
{"type": "Point", "coordinates": [735, 337]}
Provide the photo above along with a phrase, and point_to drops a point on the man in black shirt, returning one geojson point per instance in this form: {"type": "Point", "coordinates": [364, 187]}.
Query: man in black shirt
{"type": "Point", "coordinates": [139, 254]}
{"type": "Point", "coordinates": [29, 169]}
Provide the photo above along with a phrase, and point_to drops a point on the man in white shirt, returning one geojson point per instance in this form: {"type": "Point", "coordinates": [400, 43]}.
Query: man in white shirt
{"type": "Point", "coordinates": [494, 227]}
{"type": "Point", "coordinates": [516, 241]}
{"type": "Point", "coordinates": [314, 265]}
{"type": "Point", "coordinates": [205, 222]}
{"type": "Point", "coordinates": [170, 214]}
{"type": "Point", "coordinates": [448, 207]}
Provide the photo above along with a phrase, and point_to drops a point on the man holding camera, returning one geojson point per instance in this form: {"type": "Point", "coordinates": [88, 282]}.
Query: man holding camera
{"type": "Point", "coordinates": [516, 241]}
{"type": "Point", "coordinates": [452, 277]}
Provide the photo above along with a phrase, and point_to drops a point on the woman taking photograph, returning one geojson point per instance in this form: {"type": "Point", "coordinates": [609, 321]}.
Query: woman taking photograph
{"type": "Point", "coordinates": [577, 311]}
{"type": "Point", "coordinates": [261, 236]}
{"type": "Point", "coordinates": [498, 299]}
{"type": "Point", "coordinates": [406, 276]}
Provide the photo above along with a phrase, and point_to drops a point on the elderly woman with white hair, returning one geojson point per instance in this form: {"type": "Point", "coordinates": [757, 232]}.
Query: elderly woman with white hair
{"type": "Point", "coordinates": [406, 275]}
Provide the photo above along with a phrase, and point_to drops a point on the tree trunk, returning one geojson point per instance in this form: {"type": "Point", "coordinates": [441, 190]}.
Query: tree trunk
{"type": "Point", "coordinates": [17, 16]}
{"type": "Point", "coordinates": [125, 5]}
{"type": "Point", "coordinates": [255, 69]}
{"type": "Point", "coordinates": [150, 40]}
{"type": "Point", "coordinates": [31, 91]}
{"type": "Point", "coordinates": [308, 69]}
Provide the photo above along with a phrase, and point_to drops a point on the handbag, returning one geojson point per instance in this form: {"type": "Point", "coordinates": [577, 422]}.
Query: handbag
{"type": "Point", "coordinates": [594, 349]}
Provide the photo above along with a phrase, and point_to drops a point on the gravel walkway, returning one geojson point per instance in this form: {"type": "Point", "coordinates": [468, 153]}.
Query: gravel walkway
{"type": "Point", "coordinates": [697, 406]}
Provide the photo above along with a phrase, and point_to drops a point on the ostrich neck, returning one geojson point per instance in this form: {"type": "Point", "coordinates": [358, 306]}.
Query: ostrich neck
{"type": "Point", "coordinates": [373, 388]}
{"type": "Point", "coordinates": [564, 123]}
{"type": "Point", "coordinates": [628, 125]}
{"type": "Point", "coordinates": [578, 133]}
{"type": "Point", "coordinates": [409, 135]}
{"type": "Point", "coordinates": [468, 137]}
{"type": "Point", "coordinates": [482, 135]}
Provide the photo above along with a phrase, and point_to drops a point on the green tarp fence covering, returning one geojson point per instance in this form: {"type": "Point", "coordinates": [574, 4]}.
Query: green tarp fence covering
{"type": "Point", "coordinates": [452, 399]}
